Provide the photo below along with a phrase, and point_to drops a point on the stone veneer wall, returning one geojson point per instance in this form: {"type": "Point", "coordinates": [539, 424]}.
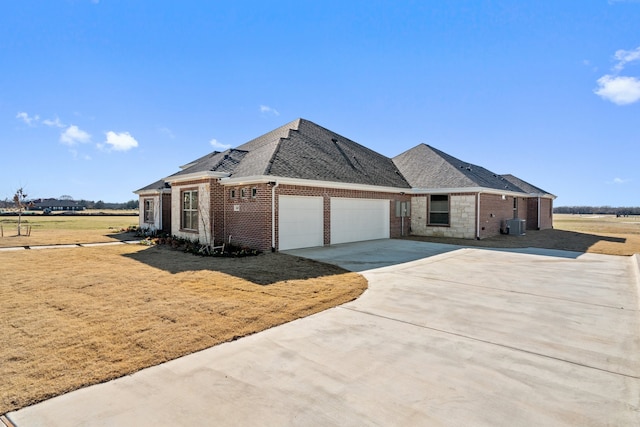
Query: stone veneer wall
{"type": "Point", "coordinates": [155, 224]}
{"type": "Point", "coordinates": [462, 219]}
{"type": "Point", "coordinates": [203, 234]}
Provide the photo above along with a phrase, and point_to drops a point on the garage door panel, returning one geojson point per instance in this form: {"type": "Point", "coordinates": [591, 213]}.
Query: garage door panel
{"type": "Point", "coordinates": [300, 222]}
{"type": "Point", "coordinates": [354, 220]}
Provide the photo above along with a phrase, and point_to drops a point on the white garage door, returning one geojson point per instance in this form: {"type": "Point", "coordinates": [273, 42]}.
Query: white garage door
{"type": "Point", "coordinates": [354, 220]}
{"type": "Point", "coordinates": [300, 222]}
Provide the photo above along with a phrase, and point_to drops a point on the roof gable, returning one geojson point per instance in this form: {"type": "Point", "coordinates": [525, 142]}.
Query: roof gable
{"type": "Point", "coordinates": [313, 152]}
{"type": "Point", "coordinates": [225, 161]}
{"type": "Point", "coordinates": [426, 167]}
{"type": "Point", "coordinates": [303, 150]}
{"type": "Point", "coordinates": [159, 185]}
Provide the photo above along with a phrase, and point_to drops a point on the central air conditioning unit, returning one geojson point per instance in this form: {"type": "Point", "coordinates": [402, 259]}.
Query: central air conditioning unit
{"type": "Point", "coordinates": [516, 226]}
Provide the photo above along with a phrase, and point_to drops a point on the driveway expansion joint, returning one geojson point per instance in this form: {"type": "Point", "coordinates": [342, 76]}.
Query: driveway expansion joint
{"type": "Point", "coordinates": [509, 347]}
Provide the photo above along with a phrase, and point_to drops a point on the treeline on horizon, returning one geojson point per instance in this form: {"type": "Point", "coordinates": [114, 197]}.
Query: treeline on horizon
{"type": "Point", "coordinates": [597, 210]}
{"type": "Point", "coordinates": [87, 204]}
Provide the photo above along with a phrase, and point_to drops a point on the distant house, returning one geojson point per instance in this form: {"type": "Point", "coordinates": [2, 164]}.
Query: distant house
{"type": "Point", "coordinates": [302, 185]}
{"type": "Point", "coordinates": [56, 205]}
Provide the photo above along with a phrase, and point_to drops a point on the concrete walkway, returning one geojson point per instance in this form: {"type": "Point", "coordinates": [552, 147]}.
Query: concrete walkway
{"type": "Point", "coordinates": [467, 336]}
{"type": "Point", "coordinates": [70, 245]}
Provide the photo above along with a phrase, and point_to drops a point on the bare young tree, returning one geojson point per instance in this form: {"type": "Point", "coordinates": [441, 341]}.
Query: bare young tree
{"type": "Point", "coordinates": [20, 202]}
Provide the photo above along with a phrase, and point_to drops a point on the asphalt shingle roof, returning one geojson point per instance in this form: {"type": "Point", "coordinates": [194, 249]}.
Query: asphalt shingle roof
{"type": "Point", "coordinates": [225, 161]}
{"type": "Point", "coordinates": [302, 149]}
{"type": "Point", "coordinates": [524, 185]}
{"type": "Point", "coordinates": [429, 168]}
{"type": "Point", "coordinates": [313, 152]}
{"type": "Point", "coordinates": [160, 184]}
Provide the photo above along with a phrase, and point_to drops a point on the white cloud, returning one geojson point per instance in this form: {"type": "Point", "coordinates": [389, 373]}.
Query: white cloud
{"type": "Point", "coordinates": [626, 56]}
{"type": "Point", "coordinates": [53, 123]}
{"type": "Point", "coordinates": [122, 141]}
{"type": "Point", "coordinates": [29, 120]}
{"type": "Point", "coordinates": [620, 181]}
{"type": "Point", "coordinates": [268, 110]}
{"type": "Point", "coordinates": [620, 90]}
{"type": "Point", "coordinates": [167, 132]}
{"type": "Point", "coordinates": [74, 135]}
{"type": "Point", "coordinates": [219, 146]}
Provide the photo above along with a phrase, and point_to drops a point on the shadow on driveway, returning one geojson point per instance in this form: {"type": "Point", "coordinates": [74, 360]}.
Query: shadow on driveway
{"type": "Point", "coordinates": [362, 256]}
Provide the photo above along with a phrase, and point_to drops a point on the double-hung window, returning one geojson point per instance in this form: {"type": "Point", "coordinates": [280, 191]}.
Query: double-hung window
{"type": "Point", "coordinates": [148, 210]}
{"type": "Point", "coordinates": [439, 209]}
{"type": "Point", "coordinates": [190, 210]}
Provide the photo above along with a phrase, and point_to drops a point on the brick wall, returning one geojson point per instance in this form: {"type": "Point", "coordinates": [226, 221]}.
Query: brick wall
{"type": "Point", "coordinates": [546, 213]}
{"type": "Point", "coordinates": [248, 219]}
{"type": "Point", "coordinates": [494, 210]}
{"type": "Point", "coordinates": [166, 212]}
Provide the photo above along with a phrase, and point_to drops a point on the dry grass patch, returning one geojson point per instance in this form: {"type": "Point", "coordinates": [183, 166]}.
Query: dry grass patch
{"type": "Point", "coordinates": [595, 234]}
{"type": "Point", "coordinates": [80, 316]}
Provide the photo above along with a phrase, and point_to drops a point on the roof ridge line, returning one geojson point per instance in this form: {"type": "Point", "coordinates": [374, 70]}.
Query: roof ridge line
{"type": "Point", "coordinates": [267, 170]}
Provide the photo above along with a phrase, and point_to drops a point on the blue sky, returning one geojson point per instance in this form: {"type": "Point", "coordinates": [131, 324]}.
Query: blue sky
{"type": "Point", "coordinates": [100, 98]}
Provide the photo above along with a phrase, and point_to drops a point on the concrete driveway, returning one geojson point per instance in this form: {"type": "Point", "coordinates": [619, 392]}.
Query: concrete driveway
{"type": "Point", "coordinates": [465, 336]}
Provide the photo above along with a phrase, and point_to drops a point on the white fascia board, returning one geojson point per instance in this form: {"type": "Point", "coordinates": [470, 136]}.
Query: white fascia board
{"type": "Point", "coordinates": [152, 192]}
{"type": "Point", "coordinates": [261, 179]}
{"type": "Point", "coordinates": [483, 190]}
{"type": "Point", "coordinates": [195, 176]}
{"type": "Point", "coordinates": [543, 195]}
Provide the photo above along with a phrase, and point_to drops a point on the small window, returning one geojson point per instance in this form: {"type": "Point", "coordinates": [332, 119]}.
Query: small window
{"type": "Point", "coordinates": [243, 193]}
{"type": "Point", "coordinates": [232, 193]}
{"type": "Point", "coordinates": [148, 210]}
{"type": "Point", "coordinates": [439, 209]}
{"type": "Point", "coordinates": [254, 193]}
{"type": "Point", "coordinates": [189, 210]}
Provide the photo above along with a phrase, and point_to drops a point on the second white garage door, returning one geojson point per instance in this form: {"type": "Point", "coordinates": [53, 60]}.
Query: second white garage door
{"type": "Point", "coordinates": [354, 220]}
{"type": "Point", "coordinates": [300, 222]}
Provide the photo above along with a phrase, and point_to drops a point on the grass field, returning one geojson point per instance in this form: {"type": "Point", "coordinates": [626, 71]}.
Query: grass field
{"type": "Point", "coordinates": [63, 229]}
{"type": "Point", "coordinates": [72, 317]}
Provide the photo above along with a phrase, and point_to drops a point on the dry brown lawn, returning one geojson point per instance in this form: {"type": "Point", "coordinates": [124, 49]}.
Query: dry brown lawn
{"type": "Point", "coordinates": [580, 233]}
{"type": "Point", "coordinates": [72, 317]}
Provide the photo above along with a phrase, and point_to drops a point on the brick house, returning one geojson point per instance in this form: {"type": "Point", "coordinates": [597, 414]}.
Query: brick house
{"type": "Point", "coordinates": [302, 185]}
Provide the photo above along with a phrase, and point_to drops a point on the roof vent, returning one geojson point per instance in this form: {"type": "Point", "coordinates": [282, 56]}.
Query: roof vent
{"type": "Point", "coordinates": [334, 140]}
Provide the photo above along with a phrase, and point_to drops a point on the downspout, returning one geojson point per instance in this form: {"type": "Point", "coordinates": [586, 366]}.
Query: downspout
{"type": "Point", "coordinates": [224, 215]}
{"type": "Point", "coordinates": [273, 215]}
{"type": "Point", "coordinates": [539, 212]}
{"type": "Point", "coordinates": [212, 217]}
{"type": "Point", "coordinates": [159, 226]}
{"type": "Point", "coordinates": [478, 217]}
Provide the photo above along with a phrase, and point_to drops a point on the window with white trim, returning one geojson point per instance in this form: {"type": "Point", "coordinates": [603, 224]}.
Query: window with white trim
{"type": "Point", "coordinates": [189, 210]}
{"type": "Point", "coordinates": [148, 210]}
